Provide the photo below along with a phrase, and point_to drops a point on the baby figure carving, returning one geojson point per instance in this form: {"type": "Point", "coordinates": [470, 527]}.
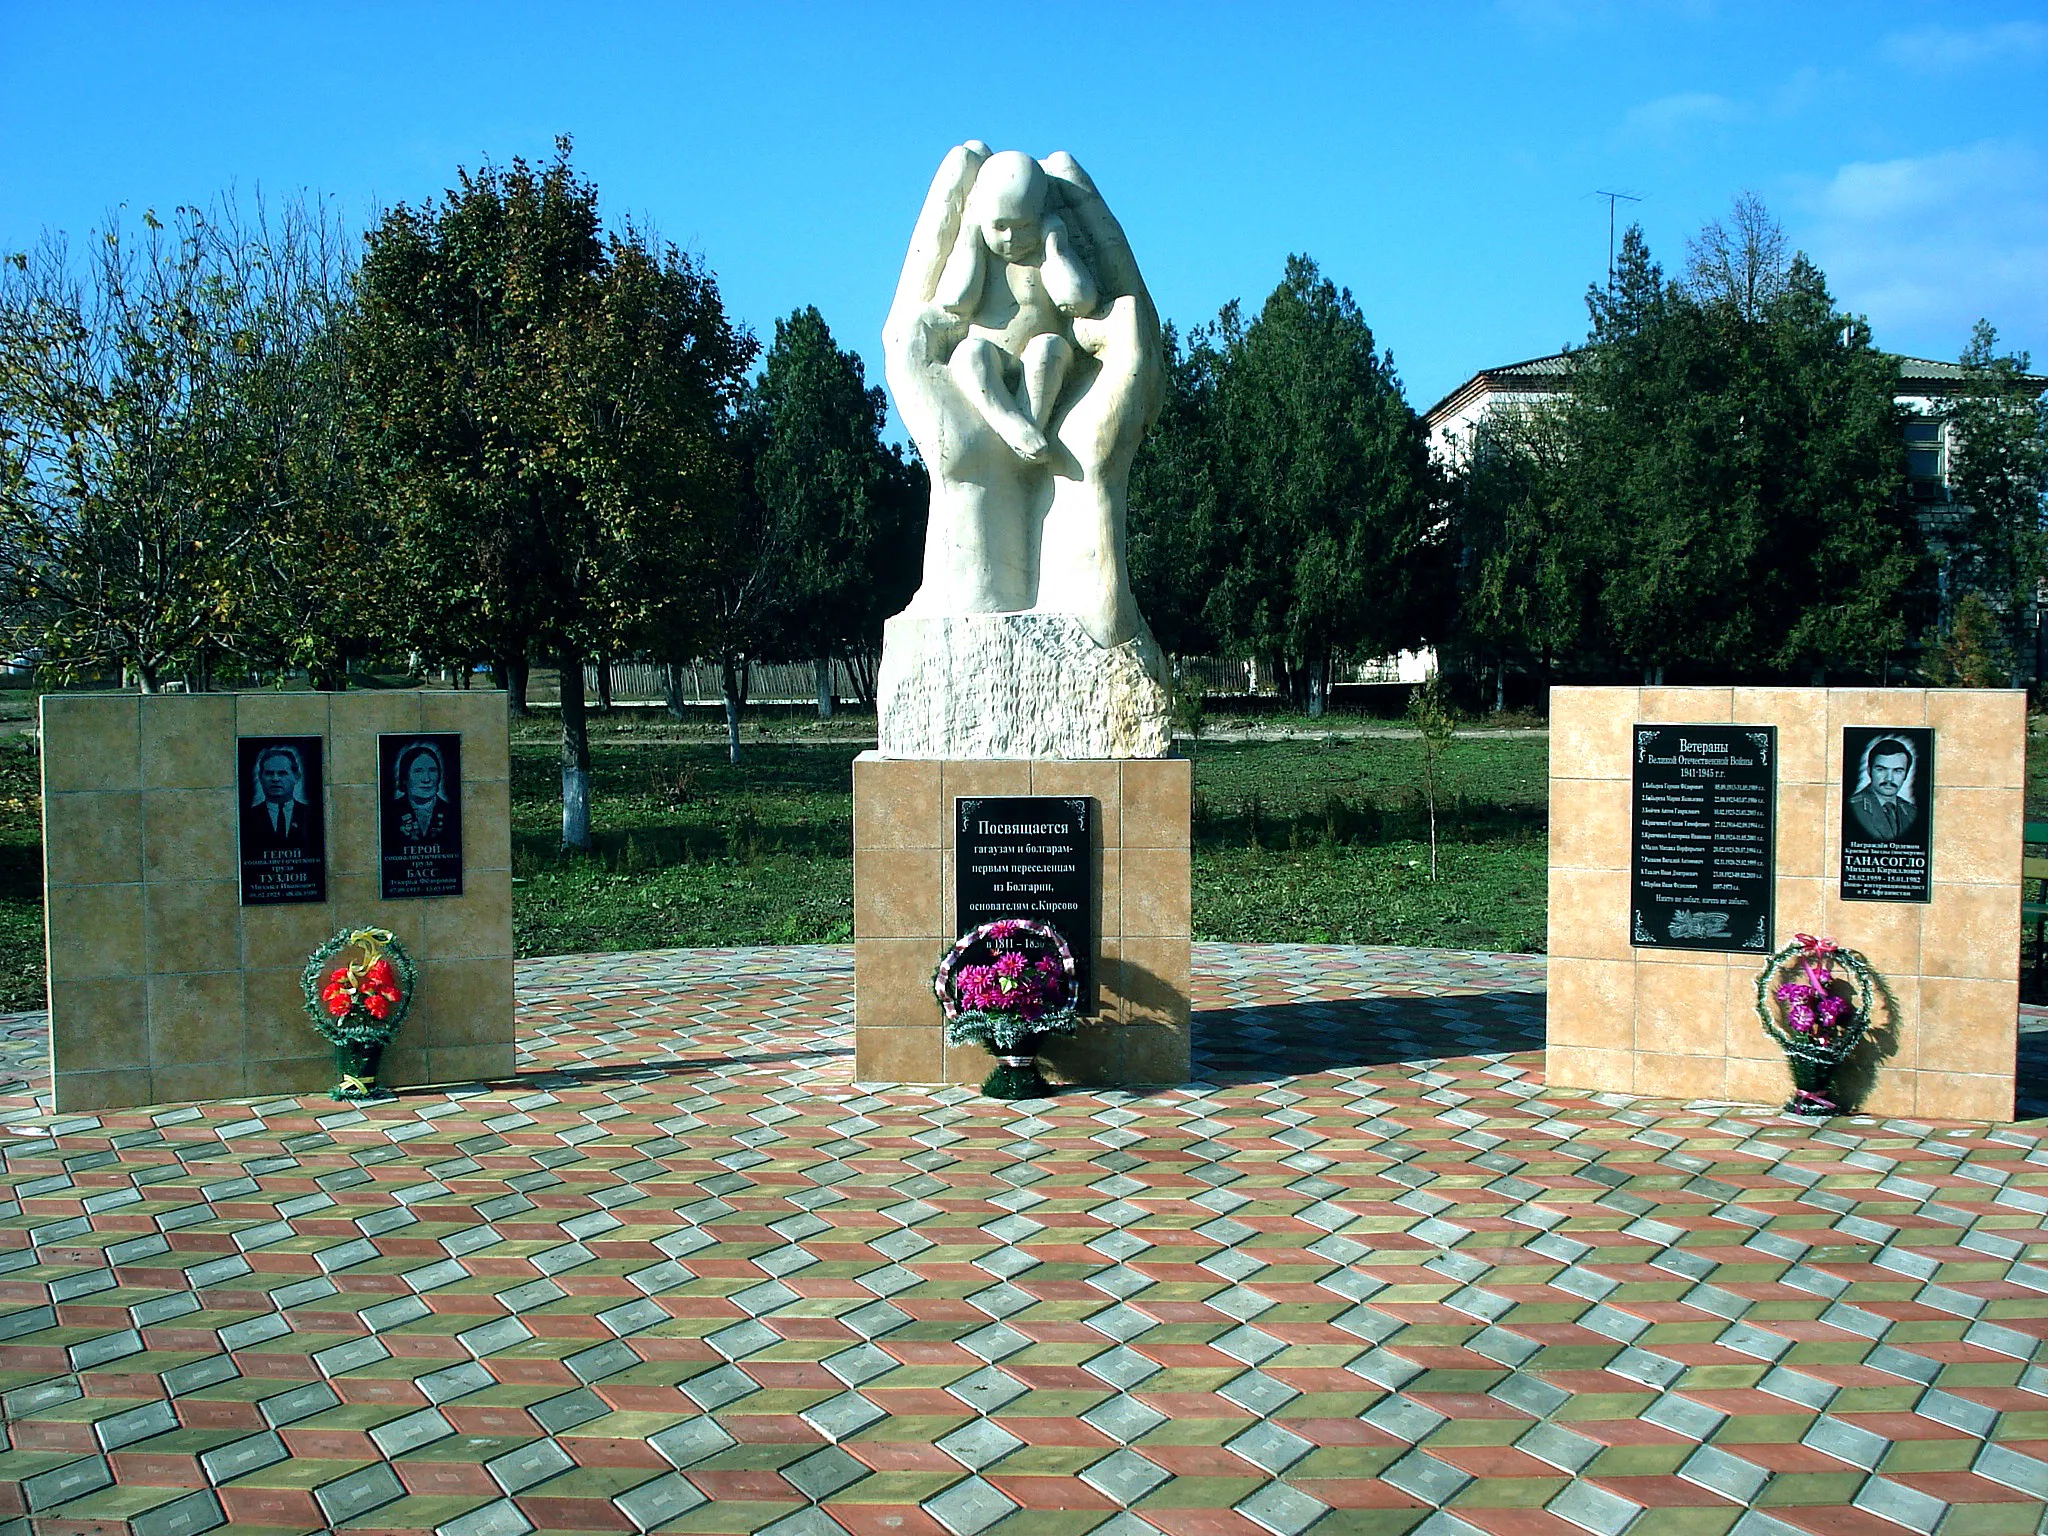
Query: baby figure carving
{"type": "Point", "coordinates": [1014, 359]}
{"type": "Point", "coordinates": [1024, 356]}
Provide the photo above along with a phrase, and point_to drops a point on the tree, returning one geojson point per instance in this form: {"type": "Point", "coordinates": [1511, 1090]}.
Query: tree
{"type": "Point", "coordinates": [1429, 711]}
{"type": "Point", "coordinates": [129, 497]}
{"type": "Point", "coordinates": [1970, 652]}
{"type": "Point", "coordinates": [1998, 477]}
{"type": "Point", "coordinates": [1737, 465]}
{"type": "Point", "coordinates": [547, 406]}
{"type": "Point", "coordinates": [1524, 571]}
{"type": "Point", "coordinates": [315, 536]}
{"type": "Point", "coordinates": [1175, 504]}
{"type": "Point", "coordinates": [1329, 508]}
{"type": "Point", "coordinates": [849, 510]}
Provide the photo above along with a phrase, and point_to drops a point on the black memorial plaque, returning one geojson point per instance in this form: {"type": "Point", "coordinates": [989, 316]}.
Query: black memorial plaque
{"type": "Point", "coordinates": [1027, 856]}
{"type": "Point", "coordinates": [419, 815]}
{"type": "Point", "coordinates": [1887, 813]}
{"type": "Point", "coordinates": [1702, 835]}
{"type": "Point", "coordinates": [283, 833]}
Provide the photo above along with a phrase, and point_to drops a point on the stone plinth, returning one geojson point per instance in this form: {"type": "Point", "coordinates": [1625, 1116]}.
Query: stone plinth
{"type": "Point", "coordinates": [903, 915]}
{"type": "Point", "coordinates": [163, 986]}
{"type": "Point", "coordinates": [1017, 686]}
{"type": "Point", "coordinates": [1682, 1023]}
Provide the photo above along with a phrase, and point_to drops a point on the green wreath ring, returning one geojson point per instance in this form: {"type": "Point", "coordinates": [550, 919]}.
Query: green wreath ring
{"type": "Point", "coordinates": [364, 1002]}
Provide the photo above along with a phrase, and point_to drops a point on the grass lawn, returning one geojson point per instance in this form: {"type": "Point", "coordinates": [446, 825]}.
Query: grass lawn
{"type": "Point", "coordinates": [1294, 841]}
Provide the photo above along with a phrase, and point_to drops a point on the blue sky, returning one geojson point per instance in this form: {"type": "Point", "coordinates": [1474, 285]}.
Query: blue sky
{"type": "Point", "coordinates": [1438, 160]}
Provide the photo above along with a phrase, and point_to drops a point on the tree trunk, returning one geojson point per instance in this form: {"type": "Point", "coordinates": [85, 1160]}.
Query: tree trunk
{"type": "Point", "coordinates": [509, 672]}
{"type": "Point", "coordinates": [604, 685]}
{"type": "Point", "coordinates": [1500, 687]}
{"type": "Point", "coordinates": [461, 678]}
{"type": "Point", "coordinates": [575, 758]}
{"type": "Point", "coordinates": [823, 667]}
{"type": "Point", "coordinates": [145, 678]}
{"type": "Point", "coordinates": [1318, 681]}
{"type": "Point", "coordinates": [672, 688]}
{"type": "Point", "coordinates": [733, 679]}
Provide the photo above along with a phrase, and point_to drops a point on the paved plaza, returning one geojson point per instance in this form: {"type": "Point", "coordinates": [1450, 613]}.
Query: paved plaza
{"type": "Point", "coordinates": [1365, 1274]}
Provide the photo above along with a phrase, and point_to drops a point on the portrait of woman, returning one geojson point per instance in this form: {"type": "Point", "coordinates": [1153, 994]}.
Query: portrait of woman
{"type": "Point", "coordinates": [420, 815]}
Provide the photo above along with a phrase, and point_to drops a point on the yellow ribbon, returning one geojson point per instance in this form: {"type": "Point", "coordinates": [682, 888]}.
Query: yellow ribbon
{"type": "Point", "coordinates": [352, 1084]}
{"type": "Point", "coordinates": [369, 944]}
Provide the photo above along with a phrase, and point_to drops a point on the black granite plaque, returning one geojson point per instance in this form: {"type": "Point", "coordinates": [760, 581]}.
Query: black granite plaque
{"type": "Point", "coordinates": [1028, 856]}
{"type": "Point", "coordinates": [283, 822]}
{"type": "Point", "coordinates": [419, 815]}
{"type": "Point", "coordinates": [1702, 837]}
{"type": "Point", "coordinates": [1887, 813]}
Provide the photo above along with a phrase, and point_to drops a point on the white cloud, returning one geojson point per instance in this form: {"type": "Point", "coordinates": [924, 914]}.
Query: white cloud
{"type": "Point", "coordinates": [1926, 244]}
{"type": "Point", "coordinates": [1673, 114]}
{"type": "Point", "coordinates": [1945, 50]}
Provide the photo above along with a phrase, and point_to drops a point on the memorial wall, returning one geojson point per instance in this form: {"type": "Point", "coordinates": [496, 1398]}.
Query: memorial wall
{"type": "Point", "coordinates": [199, 847]}
{"type": "Point", "coordinates": [1694, 831]}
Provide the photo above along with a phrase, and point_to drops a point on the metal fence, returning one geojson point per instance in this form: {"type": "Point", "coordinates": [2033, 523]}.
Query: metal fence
{"type": "Point", "coordinates": [641, 682]}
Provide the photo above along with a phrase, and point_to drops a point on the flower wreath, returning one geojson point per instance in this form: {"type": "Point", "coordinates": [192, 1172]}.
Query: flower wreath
{"type": "Point", "coordinates": [999, 1003]}
{"type": "Point", "coordinates": [1820, 1026]}
{"type": "Point", "coordinates": [360, 1001]}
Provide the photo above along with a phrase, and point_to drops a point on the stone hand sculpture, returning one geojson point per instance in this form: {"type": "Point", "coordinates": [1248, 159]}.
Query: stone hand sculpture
{"type": "Point", "coordinates": [1024, 355]}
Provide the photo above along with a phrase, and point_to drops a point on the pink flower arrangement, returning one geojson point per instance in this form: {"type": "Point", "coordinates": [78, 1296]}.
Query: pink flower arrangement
{"type": "Point", "coordinates": [1012, 984]}
{"type": "Point", "coordinates": [1006, 982]}
{"type": "Point", "coordinates": [1825, 1002]}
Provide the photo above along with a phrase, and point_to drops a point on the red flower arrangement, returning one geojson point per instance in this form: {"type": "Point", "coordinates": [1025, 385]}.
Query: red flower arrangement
{"type": "Point", "coordinates": [359, 988]}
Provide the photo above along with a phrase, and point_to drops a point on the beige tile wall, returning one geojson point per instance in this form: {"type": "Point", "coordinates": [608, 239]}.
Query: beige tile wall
{"type": "Point", "coordinates": [163, 986]}
{"type": "Point", "coordinates": [1682, 1023]}
{"type": "Point", "coordinates": [903, 915]}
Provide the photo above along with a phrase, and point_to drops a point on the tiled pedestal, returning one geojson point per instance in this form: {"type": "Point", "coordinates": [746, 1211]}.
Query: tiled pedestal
{"type": "Point", "coordinates": [903, 915]}
{"type": "Point", "coordinates": [1682, 1023]}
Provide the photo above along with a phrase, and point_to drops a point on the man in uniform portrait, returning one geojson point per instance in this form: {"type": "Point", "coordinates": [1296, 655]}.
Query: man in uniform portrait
{"type": "Point", "coordinates": [1883, 804]}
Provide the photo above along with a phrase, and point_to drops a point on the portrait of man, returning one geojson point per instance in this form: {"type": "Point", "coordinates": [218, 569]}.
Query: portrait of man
{"type": "Point", "coordinates": [1884, 802]}
{"type": "Point", "coordinates": [419, 815]}
{"type": "Point", "coordinates": [283, 831]}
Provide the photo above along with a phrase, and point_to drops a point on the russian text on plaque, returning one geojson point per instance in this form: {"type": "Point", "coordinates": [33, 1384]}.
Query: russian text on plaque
{"type": "Point", "coordinates": [1702, 833]}
{"type": "Point", "coordinates": [1028, 856]}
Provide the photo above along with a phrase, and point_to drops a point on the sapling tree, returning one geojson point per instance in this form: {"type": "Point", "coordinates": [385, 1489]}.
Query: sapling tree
{"type": "Point", "coordinates": [1429, 711]}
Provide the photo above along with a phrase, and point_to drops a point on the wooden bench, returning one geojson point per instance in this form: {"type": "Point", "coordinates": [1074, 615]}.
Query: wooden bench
{"type": "Point", "coordinates": [2034, 896]}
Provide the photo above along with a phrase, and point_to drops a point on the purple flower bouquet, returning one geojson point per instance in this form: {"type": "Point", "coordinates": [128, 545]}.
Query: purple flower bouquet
{"type": "Point", "coordinates": [1006, 986]}
{"type": "Point", "coordinates": [1822, 1014]}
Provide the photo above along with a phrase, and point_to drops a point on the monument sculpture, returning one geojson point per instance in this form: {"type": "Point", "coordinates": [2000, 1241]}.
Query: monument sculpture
{"type": "Point", "coordinates": [1024, 356]}
{"type": "Point", "coordinates": [1023, 780]}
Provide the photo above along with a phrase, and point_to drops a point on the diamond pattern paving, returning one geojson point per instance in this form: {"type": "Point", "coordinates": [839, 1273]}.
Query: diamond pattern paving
{"type": "Point", "coordinates": [1366, 1274]}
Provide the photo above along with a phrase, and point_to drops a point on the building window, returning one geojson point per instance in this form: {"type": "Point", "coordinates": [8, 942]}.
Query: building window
{"type": "Point", "coordinates": [1924, 457]}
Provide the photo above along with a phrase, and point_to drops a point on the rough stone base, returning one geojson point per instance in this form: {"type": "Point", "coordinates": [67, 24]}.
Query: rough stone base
{"type": "Point", "coordinates": [1018, 685]}
{"type": "Point", "coordinates": [903, 916]}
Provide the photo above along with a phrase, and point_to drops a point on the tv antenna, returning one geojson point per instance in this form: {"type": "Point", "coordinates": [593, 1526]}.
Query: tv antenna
{"type": "Point", "coordinates": [1612, 199]}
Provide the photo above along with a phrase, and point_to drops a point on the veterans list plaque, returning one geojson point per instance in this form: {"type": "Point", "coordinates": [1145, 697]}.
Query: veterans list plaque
{"type": "Point", "coordinates": [1702, 831]}
{"type": "Point", "coordinates": [1028, 856]}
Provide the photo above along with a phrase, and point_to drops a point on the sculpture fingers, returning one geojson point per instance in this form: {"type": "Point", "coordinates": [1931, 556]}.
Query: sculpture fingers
{"type": "Point", "coordinates": [931, 242]}
{"type": "Point", "coordinates": [1123, 399]}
